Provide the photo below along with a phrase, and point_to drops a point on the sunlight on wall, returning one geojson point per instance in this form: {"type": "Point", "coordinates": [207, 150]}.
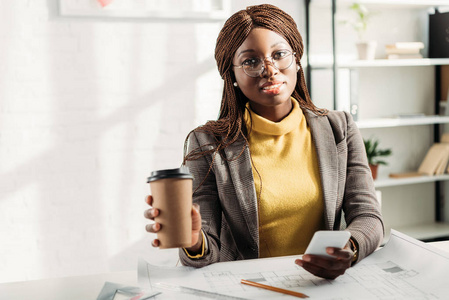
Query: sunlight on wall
{"type": "Point", "coordinates": [112, 158]}
{"type": "Point", "coordinates": [130, 113]}
{"type": "Point", "coordinates": [208, 97]}
{"type": "Point", "coordinates": [122, 177]}
{"type": "Point", "coordinates": [122, 54]}
{"type": "Point", "coordinates": [26, 138]}
{"type": "Point", "coordinates": [208, 85]}
{"type": "Point", "coordinates": [21, 234]}
{"type": "Point", "coordinates": [206, 47]}
{"type": "Point", "coordinates": [26, 122]}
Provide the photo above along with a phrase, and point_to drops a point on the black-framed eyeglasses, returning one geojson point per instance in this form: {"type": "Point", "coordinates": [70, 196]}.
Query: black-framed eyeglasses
{"type": "Point", "coordinates": [255, 66]}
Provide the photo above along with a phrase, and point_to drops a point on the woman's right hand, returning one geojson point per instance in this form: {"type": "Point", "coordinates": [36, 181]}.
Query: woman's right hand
{"type": "Point", "coordinates": [197, 238]}
{"type": "Point", "coordinates": [150, 214]}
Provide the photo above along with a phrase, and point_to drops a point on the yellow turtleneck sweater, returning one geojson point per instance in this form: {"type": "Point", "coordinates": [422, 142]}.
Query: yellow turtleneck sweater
{"type": "Point", "coordinates": [290, 200]}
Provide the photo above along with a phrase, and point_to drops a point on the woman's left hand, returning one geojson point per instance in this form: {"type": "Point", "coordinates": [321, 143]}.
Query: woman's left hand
{"type": "Point", "coordinates": [327, 267]}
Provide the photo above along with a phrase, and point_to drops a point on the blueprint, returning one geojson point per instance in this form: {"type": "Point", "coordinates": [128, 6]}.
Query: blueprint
{"type": "Point", "coordinates": [404, 268]}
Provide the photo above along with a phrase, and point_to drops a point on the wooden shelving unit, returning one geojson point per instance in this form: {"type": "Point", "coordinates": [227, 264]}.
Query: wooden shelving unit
{"type": "Point", "coordinates": [420, 62]}
{"type": "Point", "coordinates": [402, 121]}
{"type": "Point", "coordinates": [387, 182]}
{"type": "Point", "coordinates": [334, 62]}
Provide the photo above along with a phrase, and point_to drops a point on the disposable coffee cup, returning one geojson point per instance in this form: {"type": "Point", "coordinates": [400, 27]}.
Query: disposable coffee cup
{"type": "Point", "coordinates": [172, 196]}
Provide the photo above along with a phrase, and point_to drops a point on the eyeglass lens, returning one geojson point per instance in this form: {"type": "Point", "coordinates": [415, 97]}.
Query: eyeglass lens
{"type": "Point", "coordinates": [257, 65]}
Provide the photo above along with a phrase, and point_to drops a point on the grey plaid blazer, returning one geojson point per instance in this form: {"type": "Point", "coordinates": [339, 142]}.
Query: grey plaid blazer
{"type": "Point", "coordinates": [228, 203]}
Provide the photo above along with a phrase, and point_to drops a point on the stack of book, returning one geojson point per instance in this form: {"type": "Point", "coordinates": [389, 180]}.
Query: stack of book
{"type": "Point", "coordinates": [436, 161]}
{"type": "Point", "coordinates": [404, 50]}
{"type": "Point", "coordinates": [437, 158]}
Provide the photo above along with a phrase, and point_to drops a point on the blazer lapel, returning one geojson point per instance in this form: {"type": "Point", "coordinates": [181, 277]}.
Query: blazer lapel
{"type": "Point", "coordinates": [326, 149]}
{"type": "Point", "coordinates": [243, 184]}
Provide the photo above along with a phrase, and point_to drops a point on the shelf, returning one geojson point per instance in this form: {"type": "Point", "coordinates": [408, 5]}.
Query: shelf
{"type": "Point", "coordinates": [422, 231]}
{"type": "Point", "coordinates": [395, 63]}
{"type": "Point", "coordinates": [418, 62]}
{"type": "Point", "coordinates": [388, 182]}
{"type": "Point", "coordinates": [401, 121]}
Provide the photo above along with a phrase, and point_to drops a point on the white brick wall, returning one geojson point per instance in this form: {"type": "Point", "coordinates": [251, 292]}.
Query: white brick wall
{"type": "Point", "coordinates": [88, 107]}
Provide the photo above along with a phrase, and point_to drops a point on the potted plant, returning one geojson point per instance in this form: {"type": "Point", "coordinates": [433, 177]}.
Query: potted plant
{"type": "Point", "coordinates": [366, 49]}
{"type": "Point", "coordinates": [374, 155]}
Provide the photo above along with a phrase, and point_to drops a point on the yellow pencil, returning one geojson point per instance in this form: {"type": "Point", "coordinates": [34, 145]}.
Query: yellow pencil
{"type": "Point", "coordinates": [274, 289]}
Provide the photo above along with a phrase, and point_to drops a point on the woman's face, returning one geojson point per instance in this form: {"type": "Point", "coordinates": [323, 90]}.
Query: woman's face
{"type": "Point", "coordinates": [269, 93]}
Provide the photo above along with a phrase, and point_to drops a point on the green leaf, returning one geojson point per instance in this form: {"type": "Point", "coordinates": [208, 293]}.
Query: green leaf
{"type": "Point", "coordinates": [373, 153]}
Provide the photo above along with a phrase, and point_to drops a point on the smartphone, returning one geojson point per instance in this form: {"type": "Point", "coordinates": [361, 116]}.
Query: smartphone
{"type": "Point", "coordinates": [327, 238]}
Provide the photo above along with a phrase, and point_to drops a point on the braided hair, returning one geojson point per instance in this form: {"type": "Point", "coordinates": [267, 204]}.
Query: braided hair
{"type": "Point", "coordinates": [230, 124]}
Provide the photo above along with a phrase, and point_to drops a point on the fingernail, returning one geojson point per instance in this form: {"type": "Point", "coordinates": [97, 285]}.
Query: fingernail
{"type": "Point", "coordinates": [330, 250]}
{"type": "Point", "coordinates": [306, 258]}
{"type": "Point", "coordinates": [298, 262]}
{"type": "Point", "coordinates": [155, 226]}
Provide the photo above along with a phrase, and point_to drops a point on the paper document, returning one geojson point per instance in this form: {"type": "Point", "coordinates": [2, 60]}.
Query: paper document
{"type": "Point", "coordinates": [404, 268]}
{"type": "Point", "coordinates": [116, 291]}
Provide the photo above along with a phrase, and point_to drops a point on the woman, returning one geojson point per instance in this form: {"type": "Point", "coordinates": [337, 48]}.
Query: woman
{"type": "Point", "coordinates": [273, 168]}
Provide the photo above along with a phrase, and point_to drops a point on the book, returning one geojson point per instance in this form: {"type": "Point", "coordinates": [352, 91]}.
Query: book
{"type": "Point", "coordinates": [436, 160]}
{"type": "Point", "coordinates": [404, 56]}
{"type": "Point", "coordinates": [402, 51]}
{"type": "Point", "coordinates": [443, 108]}
{"type": "Point", "coordinates": [445, 138]}
{"type": "Point", "coordinates": [441, 169]}
{"type": "Point", "coordinates": [411, 115]}
{"type": "Point", "coordinates": [405, 175]}
{"type": "Point", "coordinates": [438, 35]}
{"type": "Point", "coordinates": [406, 45]}
{"type": "Point", "coordinates": [444, 82]}
{"type": "Point", "coordinates": [404, 48]}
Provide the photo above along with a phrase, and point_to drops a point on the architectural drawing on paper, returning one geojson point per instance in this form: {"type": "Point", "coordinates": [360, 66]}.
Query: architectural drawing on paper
{"type": "Point", "coordinates": [382, 280]}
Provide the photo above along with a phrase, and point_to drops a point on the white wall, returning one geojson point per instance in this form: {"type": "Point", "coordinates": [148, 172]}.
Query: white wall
{"type": "Point", "coordinates": [88, 107]}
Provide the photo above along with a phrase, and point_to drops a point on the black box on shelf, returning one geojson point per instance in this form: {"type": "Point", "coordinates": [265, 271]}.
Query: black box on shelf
{"type": "Point", "coordinates": [439, 35]}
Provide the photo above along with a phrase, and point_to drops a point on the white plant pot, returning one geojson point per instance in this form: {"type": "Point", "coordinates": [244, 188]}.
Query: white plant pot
{"type": "Point", "coordinates": [366, 50]}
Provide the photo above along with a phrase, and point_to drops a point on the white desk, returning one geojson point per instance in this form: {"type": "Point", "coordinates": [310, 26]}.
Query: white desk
{"type": "Point", "coordinates": [444, 245]}
{"type": "Point", "coordinates": [69, 288]}
{"type": "Point", "coordinates": [83, 287]}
